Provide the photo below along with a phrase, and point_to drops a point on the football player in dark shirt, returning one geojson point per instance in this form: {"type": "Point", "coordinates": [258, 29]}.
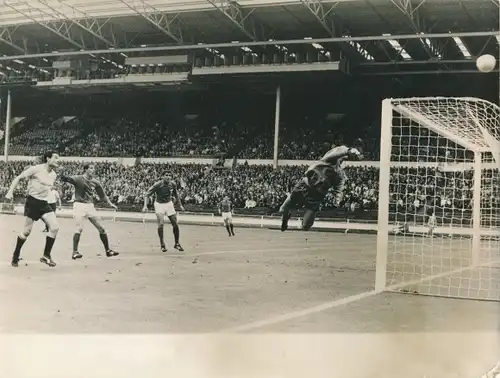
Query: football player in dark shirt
{"type": "Point", "coordinates": [165, 191]}
{"type": "Point", "coordinates": [226, 210]}
{"type": "Point", "coordinates": [84, 208]}
{"type": "Point", "coordinates": [320, 177]}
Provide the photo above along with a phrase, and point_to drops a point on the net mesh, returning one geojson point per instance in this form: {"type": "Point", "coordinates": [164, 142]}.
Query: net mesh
{"type": "Point", "coordinates": [438, 243]}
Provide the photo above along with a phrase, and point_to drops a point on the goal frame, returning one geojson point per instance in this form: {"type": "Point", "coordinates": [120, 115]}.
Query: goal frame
{"type": "Point", "coordinates": [383, 228]}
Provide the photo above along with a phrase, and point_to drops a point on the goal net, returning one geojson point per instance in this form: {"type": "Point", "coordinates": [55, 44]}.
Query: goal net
{"type": "Point", "coordinates": [439, 200]}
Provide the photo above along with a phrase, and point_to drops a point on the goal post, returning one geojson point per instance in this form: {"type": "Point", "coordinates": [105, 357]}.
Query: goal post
{"type": "Point", "coordinates": [439, 198]}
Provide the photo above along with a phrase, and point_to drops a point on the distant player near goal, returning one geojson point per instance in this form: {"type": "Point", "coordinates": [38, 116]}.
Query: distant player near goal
{"type": "Point", "coordinates": [431, 224]}
{"type": "Point", "coordinates": [41, 180]}
{"type": "Point", "coordinates": [226, 211]}
{"type": "Point", "coordinates": [83, 207]}
{"type": "Point", "coordinates": [320, 177]}
{"type": "Point", "coordinates": [165, 191]}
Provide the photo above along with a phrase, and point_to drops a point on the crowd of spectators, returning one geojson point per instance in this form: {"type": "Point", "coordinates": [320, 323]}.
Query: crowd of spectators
{"type": "Point", "coordinates": [47, 132]}
{"type": "Point", "coordinates": [147, 136]}
{"type": "Point", "coordinates": [205, 186]}
{"type": "Point", "coordinates": [143, 135]}
{"type": "Point", "coordinates": [253, 186]}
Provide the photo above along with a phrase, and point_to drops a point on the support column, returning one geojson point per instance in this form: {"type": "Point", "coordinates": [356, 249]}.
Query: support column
{"type": "Point", "coordinates": [8, 119]}
{"type": "Point", "coordinates": [277, 126]}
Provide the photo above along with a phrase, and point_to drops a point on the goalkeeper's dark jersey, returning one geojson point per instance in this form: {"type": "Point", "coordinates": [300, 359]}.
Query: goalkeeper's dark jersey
{"type": "Point", "coordinates": [327, 172]}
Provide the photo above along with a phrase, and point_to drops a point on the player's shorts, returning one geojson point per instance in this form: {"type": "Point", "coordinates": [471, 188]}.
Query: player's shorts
{"type": "Point", "coordinates": [303, 195]}
{"type": "Point", "coordinates": [84, 210]}
{"type": "Point", "coordinates": [227, 216]}
{"type": "Point", "coordinates": [165, 208]}
{"type": "Point", "coordinates": [53, 206]}
{"type": "Point", "coordinates": [35, 208]}
{"type": "Point", "coordinates": [432, 222]}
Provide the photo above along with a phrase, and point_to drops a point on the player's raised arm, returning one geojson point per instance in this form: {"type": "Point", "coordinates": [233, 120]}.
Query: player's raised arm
{"type": "Point", "coordinates": [27, 173]}
{"type": "Point", "coordinates": [176, 196]}
{"type": "Point", "coordinates": [69, 179]}
{"type": "Point", "coordinates": [148, 194]}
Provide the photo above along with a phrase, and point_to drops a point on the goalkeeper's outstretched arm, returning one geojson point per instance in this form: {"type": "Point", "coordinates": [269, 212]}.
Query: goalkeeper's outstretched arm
{"type": "Point", "coordinates": [344, 152]}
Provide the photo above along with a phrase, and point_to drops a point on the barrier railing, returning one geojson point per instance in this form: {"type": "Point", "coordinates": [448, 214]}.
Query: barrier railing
{"type": "Point", "coordinates": [344, 225]}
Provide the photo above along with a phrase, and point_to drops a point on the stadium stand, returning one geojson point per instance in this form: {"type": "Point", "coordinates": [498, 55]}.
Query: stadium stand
{"type": "Point", "coordinates": [261, 189]}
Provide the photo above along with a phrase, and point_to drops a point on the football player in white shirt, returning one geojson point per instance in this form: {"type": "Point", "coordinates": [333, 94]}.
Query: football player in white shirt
{"type": "Point", "coordinates": [54, 202]}
{"type": "Point", "coordinates": [41, 181]}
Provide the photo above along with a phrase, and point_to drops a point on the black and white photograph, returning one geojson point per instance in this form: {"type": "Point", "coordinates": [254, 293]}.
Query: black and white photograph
{"type": "Point", "coordinates": [250, 189]}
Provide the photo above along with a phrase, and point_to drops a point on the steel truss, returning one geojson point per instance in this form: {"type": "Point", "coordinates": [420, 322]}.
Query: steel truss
{"type": "Point", "coordinates": [419, 25]}
{"type": "Point", "coordinates": [326, 18]}
{"type": "Point", "coordinates": [60, 27]}
{"type": "Point", "coordinates": [383, 44]}
{"type": "Point", "coordinates": [243, 19]}
{"type": "Point", "coordinates": [231, 45]}
{"type": "Point", "coordinates": [87, 23]}
{"type": "Point", "coordinates": [6, 37]}
{"type": "Point", "coordinates": [168, 24]}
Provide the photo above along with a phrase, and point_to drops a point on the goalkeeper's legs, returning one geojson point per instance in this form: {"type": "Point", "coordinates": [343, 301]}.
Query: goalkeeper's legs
{"type": "Point", "coordinates": [286, 210]}
{"type": "Point", "coordinates": [308, 221]}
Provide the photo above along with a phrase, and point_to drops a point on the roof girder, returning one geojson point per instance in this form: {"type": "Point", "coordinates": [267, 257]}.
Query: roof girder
{"type": "Point", "coordinates": [61, 27]}
{"type": "Point", "coordinates": [6, 37]}
{"type": "Point", "coordinates": [242, 18]}
{"type": "Point", "coordinates": [168, 24]}
{"type": "Point", "coordinates": [197, 46]}
{"type": "Point", "coordinates": [88, 23]}
{"type": "Point", "coordinates": [326, 19]}
{"type": "Point", "coordinates": [416, 21]}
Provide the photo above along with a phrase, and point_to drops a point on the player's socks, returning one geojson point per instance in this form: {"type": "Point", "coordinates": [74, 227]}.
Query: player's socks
{"type": "Point", "coordinates": [228, 230]}
{"type": "Point", "coordinates": [49, 243]}
{"type": "Point", "coordinates": [105, 243]}
{"type": "Point", "coordinates": [104, 240]}
{"type": "Point", "coordinates": [232, 228]}
{"type": "Point", "coordinates": [46, 259]}
{"type": "Point", "coordinates": [17, 251]}
{"type": "Point", "coordinates": [177, 245]}
{"type": "Point", "coordinates": [175, 230]}
{"type": "Point", "coordinates": [160, 236]}
{"type": "Point", "coordinates": [76, 241]}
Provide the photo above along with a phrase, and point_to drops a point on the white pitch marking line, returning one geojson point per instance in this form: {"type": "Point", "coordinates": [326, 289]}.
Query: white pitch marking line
{"type": "Point", "coordinates": [343, 301]}
{"type": "Point", "coordinates": [146, 258]}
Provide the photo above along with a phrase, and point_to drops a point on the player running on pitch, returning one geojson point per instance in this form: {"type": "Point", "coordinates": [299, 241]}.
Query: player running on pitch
{"type": "Point", "coordinates": [226, 211]}
{"type": "Point", "coordinates": [83, 207]}
{"type": "Point", "coordinates": [165, 191]}
{"type": "Point", "coordinates": [322, 175]}
{"type": "Point", "coordinates": [41, 180]}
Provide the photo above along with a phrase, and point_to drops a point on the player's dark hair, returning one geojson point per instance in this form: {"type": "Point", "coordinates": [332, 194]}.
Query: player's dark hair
{"type": "Point", "coordinates": [86, 166]}
{"type": "Point", "coordinates": [46, 156]}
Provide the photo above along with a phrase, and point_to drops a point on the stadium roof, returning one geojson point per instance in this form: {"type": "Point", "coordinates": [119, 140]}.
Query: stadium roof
{"type": "Point", "coordinates": [462, 29]}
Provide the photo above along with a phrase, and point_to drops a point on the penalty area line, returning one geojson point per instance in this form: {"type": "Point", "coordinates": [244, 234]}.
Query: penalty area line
{"type": "Point", "coordinates": [343, 301]}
